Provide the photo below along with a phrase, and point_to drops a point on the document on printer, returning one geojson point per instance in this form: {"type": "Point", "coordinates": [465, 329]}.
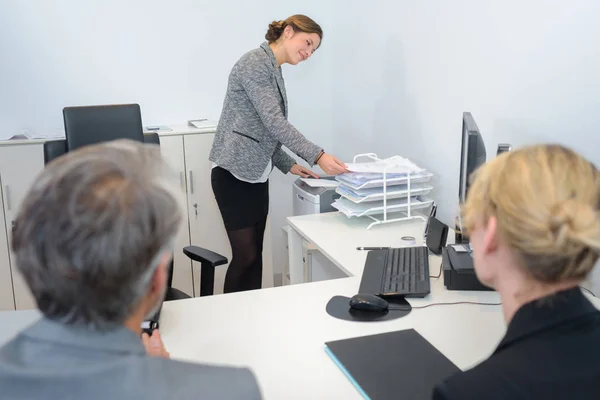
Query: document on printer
{"type": "Point", "coordinates": [320, 182]}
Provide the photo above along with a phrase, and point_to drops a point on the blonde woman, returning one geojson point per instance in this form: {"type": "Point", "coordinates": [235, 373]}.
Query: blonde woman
{"type": "Point", "coordinates": [533, 220]}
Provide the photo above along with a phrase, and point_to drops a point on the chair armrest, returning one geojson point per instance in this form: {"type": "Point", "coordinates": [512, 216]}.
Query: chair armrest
{"type": "Point", "coordinates": [204, 256]}
{"type": "Point", "coordinates": [175, 294]}
{"type": "Point", "coordinates": [208, 261]}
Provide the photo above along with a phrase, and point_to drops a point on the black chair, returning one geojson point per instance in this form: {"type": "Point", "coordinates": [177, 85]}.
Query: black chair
{"type": "Point", "coordinates": [96, 124]}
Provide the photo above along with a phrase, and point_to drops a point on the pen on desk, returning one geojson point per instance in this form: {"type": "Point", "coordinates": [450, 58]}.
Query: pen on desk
{"type": "Point", "coordinates": [372, 248]}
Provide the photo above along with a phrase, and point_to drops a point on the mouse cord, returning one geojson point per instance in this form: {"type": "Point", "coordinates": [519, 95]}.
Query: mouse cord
{"type": "Point", "coordinates": [439, 274]}
{"type": "Point", "coordinates": [445, 304]}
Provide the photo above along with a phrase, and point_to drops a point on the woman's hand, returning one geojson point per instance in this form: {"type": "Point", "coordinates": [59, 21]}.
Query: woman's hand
{"type": "Point", "coordinates": [331, 165]}
{"type": "Point", "coordinates": [154, 345]}
{"type": "Point", "coordinates": [302, 171]}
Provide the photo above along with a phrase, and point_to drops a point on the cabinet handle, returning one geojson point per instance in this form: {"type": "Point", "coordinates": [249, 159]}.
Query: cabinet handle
{"type": "Point", "coordinates": [191, 182]}
{"type": "Point", "coordinates": [182, 181]}
{"type": "Point", "coordinates": [7, 190]}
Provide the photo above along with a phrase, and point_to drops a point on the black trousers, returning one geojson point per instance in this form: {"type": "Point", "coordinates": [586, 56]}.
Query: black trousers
{"type": "Point", "coordinates": [244, 208]}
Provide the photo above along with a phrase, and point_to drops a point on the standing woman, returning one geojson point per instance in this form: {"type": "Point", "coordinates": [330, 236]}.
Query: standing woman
{"type": "Point", "coordinates": [251, 131]}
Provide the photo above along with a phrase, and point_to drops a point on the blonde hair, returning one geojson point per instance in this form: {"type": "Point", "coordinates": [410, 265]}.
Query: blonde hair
{"type": "Point", "coordinates": [546, 200]}
{"type": "Point", "coordinates": [299, 22]}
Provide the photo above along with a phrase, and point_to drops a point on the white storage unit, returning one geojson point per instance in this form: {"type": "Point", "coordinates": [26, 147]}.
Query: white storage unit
{"type": "Point", "coordinates": [186, 150]}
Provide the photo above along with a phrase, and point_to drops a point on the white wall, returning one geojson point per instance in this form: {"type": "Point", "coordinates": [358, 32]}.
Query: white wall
{"type": "Point", "coordinates": [405, 72]}
{"type": "Point", "coordinates": [392, 77]}
{"type": "Point", "coordinates": [173, 58]}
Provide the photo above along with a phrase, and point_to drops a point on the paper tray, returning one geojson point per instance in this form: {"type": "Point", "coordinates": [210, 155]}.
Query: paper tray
{"type": "Point", "coordinates": [376, 194]}
{"type": "Point", "coordinates": [376, 180]}
{"type": "Point", "coordinates": [351, 209]}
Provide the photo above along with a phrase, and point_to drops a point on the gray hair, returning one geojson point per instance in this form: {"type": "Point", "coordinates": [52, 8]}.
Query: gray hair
{"type": "Point", "coordinates": [92, 230]}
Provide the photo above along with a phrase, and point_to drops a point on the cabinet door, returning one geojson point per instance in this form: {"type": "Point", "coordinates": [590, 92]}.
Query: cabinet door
{"type": "Point", "coordinates": [19, 167]}
{"type": "Point", "coordinates": [7, 301]}
{"type": "Point", "coordinates": [267, 278]}
{"type": "Point", "coordinates": [171, 148]}
{"type": "Point", "coordinates": [206, 226]}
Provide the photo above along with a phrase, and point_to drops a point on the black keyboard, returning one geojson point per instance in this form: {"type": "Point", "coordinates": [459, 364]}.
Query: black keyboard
{"type": "Point", "coordinates": [397, 272]}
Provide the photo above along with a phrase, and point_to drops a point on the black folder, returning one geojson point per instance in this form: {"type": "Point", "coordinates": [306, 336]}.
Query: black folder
{"type": "Point", "coordinates": [394, 365]}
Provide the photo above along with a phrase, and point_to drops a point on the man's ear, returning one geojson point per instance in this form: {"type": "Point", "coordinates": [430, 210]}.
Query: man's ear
{"type": "Point", "coordinates": [159, 278]}
{"type": "Point", "coordinates": [490, 238]}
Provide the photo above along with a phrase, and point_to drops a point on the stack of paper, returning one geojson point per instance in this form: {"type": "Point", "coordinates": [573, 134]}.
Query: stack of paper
{"type": "Point", "coordinates": [362, 190]}
{"type": "Point", "coordinates": [26, 135]}
{"type": "Point", "coordinates": [392, 165]}
{"type": "Point", "coordinates": [376, 194]}
{"type": "Point", "coordinates": [352, 209]}
{"type": "Point", "coordinates": [361, 180]}
{"type": "Point", "coordinates": [327, 183]}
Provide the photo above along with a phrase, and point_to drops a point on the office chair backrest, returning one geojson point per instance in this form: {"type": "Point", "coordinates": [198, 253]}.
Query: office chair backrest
{"type": "Point", "coordinates": [95, 124]}
{"type": "Point", "coordinates": [56, 148]}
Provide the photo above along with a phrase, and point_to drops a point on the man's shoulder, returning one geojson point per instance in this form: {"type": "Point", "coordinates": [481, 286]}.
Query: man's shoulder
{"type": "Point", "coordinates": [204, 381]}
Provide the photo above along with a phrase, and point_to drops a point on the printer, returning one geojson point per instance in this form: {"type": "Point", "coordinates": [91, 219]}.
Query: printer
{"type": "Point", "coordinates": [313, 200]}
{"type": "Point", "coordinates": [459, 271]}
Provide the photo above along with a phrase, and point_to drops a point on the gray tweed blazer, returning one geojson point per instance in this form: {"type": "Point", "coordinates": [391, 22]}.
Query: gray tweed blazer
{"type": "Point", "coordinates": [253, 124]}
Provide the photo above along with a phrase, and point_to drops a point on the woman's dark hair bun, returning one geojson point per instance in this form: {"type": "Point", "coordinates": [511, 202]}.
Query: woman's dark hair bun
{"type": "Point", "coordinates": [275, 30]}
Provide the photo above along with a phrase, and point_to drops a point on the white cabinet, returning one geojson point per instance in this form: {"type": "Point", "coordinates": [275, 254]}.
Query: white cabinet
{"type": "Point", "coordinates": [171, 148]}
{"type": "Point", "coordinates": [267, 277]}
{"type": "Point", "coordinates": [186, 151]}
{"type": "Point", "coordinates": [19, 167]}
{"type": "Point", "coordinates": [7, 301]}
{"type": "Point", "coordinates": [206, 225]}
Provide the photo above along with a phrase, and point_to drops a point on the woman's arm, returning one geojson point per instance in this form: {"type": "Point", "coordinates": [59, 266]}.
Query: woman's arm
{"type": "Point", "coordinates": [283, 161]}
{"type": "Point", "coordinates": [256, 79]}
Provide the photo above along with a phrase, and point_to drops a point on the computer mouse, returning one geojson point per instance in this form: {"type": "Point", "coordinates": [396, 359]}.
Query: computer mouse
{"type": "Point", "coordinates": [368, 302]}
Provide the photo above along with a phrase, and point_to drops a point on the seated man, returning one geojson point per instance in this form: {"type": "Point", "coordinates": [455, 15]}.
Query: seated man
{"type": "Point", "coordinates": [93, 240]}
{"type": "Point", "coordinates": [534, 224]}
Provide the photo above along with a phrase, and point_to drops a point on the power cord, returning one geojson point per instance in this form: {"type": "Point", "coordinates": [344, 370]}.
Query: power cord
{"type": "Point", "coordinates": [444, 304]}
{"type": "Point", "coordinates": [463, 302]}
{"type": "Point", "coordinates": [588, 290]}
{"type": "Point", "coordinates": [440, 274]}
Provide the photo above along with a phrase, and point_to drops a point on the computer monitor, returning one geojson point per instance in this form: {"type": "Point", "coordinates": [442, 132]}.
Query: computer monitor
{"type": "Point", "coordinates": [472, 154]}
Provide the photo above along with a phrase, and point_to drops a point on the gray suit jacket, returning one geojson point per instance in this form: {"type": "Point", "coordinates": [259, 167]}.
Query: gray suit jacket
{"type": "Point", "coordinates": [52, 361]}
{"type": "Point", "coordinates": [253, 123]}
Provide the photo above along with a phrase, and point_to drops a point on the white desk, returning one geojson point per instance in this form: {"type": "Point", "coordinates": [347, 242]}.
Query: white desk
{"type": "Point", "coordinates": [280, 332]}
{"type": "Point", "coordinates": [337, 238]}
